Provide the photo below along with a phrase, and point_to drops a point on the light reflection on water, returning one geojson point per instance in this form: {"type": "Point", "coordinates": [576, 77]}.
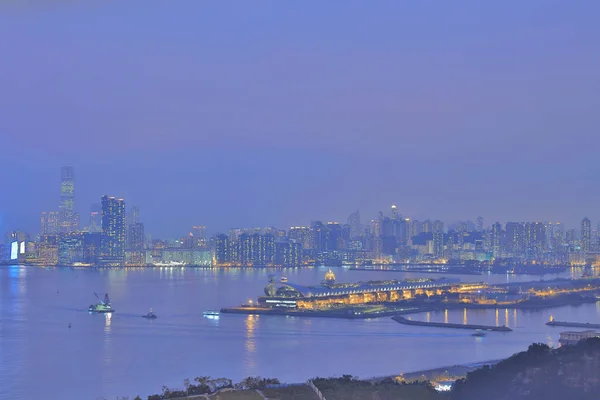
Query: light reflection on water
{"type": "Point", "coordinates": [122, 354]}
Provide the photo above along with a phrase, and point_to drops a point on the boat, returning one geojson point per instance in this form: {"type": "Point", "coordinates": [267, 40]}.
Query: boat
{"type": "Point", "coordinates": [479, 333]}
{"type": "Point", "coordinates": [150, 315]}
{"type": "Point", "coordinates": [102, 307]}
{"type": "Point", "coordinates": [211, 313]}
{"type": "Point", "coordinates": [284, 279]}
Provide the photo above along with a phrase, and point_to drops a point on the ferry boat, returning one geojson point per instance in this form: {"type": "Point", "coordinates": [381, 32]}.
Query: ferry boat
{"type": "Point", "coordinates": [284, 279]}
{"type": "Point", "coordinates": [479, 333]}
{"type": "Point", "coordinates": [102, 307]}
{"type": "Point", "coordinates": [150, 315]}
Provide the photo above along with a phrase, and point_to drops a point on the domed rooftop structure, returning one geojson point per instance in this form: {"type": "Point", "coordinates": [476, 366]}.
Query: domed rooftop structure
{"type": "Point", "coordinates": [330, 277]}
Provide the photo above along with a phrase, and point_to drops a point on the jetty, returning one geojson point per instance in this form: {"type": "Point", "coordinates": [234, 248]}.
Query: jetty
{"type": "Point", "coordinates": [400, 319]}
{"type": "Point", "coordinates": [586, 325]}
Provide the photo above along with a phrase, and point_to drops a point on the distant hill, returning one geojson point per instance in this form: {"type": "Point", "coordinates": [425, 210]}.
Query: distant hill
{"type": "Point", "coordinates": [540, 373]}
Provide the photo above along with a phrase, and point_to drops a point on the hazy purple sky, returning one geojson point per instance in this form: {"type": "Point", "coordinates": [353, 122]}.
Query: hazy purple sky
{"type": "Point", "coordinates": [241, 113]}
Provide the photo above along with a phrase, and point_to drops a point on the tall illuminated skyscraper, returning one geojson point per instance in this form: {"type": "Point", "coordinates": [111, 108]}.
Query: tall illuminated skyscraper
{"type": "Point", "coordinates": [67, 219]}
{"type": "Point", "coordinates": [112, 244]}
{"type": "Point", "coordinates": [586, 234]}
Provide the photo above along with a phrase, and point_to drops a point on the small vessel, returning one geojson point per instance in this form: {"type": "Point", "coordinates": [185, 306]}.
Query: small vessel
{"type": "Point", "coordinates": [210, 313]}
{"type": "Point", "coordinates": [479, 333]}
{"type": "Point", "coordinates": [150, 315]}
{"type": "Point", "coordinates": [102, 307]}
{"type": "Point", "coordinates": [69, 324]}
{"type": "Point", "coordinates": [284, 279]}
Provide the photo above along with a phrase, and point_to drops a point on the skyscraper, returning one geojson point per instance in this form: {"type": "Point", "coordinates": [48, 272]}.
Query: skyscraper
{"type": "Point", "coordinates": [112, 248]}
{"type": "Point", "coordinates": [354, 223]}
{"type": "Point", "coordinates": [496, 239]}
{"type": "Point", "coordinates": [438, 238]}
{"type": "Point", "coordinates": [136, 243]}
{"type": "Point", "coordinates": [479, 224]}
{"type": "Point", "coordinates": [134, 215]}
{"type": "Point", "coordinates": [95, 221]}
{"type": "Point", "coordinates": [586, 235]}
{"type": "Point", "coordinates": [67, 219]}
{"type": "Point", "coordinates": [49, 223]}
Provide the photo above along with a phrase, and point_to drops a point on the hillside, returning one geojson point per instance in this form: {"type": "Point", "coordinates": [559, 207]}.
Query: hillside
{"type": "Point", "coordinates": [540, 373]}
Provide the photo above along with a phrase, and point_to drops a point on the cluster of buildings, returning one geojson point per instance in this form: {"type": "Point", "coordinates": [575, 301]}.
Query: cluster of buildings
{"type": "Point", "coordinates": [113, 235]}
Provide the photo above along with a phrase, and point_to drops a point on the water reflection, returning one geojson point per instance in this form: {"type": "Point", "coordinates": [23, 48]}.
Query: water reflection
{"type": "Point", "coordinates": [497, 317]}
{"type": "Point", "coordinates": [446, 316]}
{"type": "Point", "coordinates": [465, 316]}
{"type": "Point", "coordinates": [107, 321]}
{"type": "Point", "coordinates": [506, 318]}
{"type": "Point", "coordinates": [250, 344]}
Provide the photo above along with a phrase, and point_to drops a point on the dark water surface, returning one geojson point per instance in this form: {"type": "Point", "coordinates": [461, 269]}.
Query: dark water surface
{"type": "Point", "coordinates": [125, 355]}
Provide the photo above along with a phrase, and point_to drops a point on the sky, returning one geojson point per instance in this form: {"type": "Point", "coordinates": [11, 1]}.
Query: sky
{"type": "Point", "coordinates": [257, 113]}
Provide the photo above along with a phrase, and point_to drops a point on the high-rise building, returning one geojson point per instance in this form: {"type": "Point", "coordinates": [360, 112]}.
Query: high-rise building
{"type": "Point", "coordinates": [49, 223]}
{"type": "Point", "coordinates": [134, 215]}
{"type": "Point", "coordinates": [480, 224]}
{"type": "Point", "coordinates": [354, 223]}
{"type": "Point", "coordinates": [136, 243]}
{"type": "Point", "coordinates": [95, 220]}
{"type": "Point", "coordinates": [496, 239]}
{"type": "Point", "coordinates": [67, 218]}
{"type": "Point", "coordinates": [514, 242]}
{"type": "Point", "coordinates": [70, 248]}
{"type": "Point", "coordinates": [535, 240]}
{"type": "Point", "coordinates": [301, 234]}
{"type": "Point", "coordinates": [112, 249]}
{"type": "Point", "coordinates": [438, 238]}
{"type": "Point", "coordinates": [586, 235]}
{"type": "Point", "coordinates": [92, 243]}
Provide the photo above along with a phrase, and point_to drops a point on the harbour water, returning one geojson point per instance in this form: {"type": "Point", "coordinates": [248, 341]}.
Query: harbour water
{"type": "Point", "coordinates": [123, 354]}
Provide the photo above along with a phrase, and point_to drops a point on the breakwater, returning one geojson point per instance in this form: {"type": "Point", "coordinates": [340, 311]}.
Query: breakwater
{"type": "Point", "coordinates": [400, 319]}
{"type": "Point", "coordinates": [573, 324]}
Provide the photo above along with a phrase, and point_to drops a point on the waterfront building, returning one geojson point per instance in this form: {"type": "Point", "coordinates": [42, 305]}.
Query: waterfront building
{"type": "Point", "coordinates": [70, 248]}
{"type": "Point", "coordinates": [300, 234]}
{"type": "Point", "coordinates": [92, 243]}
{"type": "Point", "coordinates": [136, 244]}
{"type": "Point", "coordinates": [181, 256]}
{"type": "Point", "coordinates": [47, 249]}
{"type": "Point", "coordinates": [586, 235]}
{"type": "Point", "coordinates": [570, 337]}
{"type": "Point", "coordinates": [112, 249]}
{"type": "Point", "coordinates": [67, 219]}
{"type": "Point", "coordinates": [49, 223]}
{"type": "Point", "coordinates": [288, 253]}
{"type": "Point", "coordinates": [331, 294]}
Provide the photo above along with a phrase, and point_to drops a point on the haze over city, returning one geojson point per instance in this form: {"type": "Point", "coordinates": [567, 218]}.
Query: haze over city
{"type": "Point", "coordinates": [267, 113]}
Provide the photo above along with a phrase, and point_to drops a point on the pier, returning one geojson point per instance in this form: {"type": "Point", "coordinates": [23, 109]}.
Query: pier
{"type": "Point", "coordinates": [400, 319]}
{"type": "Point", "coordinates": [573, 324]}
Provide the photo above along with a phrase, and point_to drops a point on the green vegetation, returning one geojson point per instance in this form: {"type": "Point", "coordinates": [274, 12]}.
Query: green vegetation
{"type": "Point", "coordinates": [569, 372]}
{"type": "Point", "coordinates": [237, 395]}
{"type": "Point", "coordinates": [351, 388]}
{"type": "Point", "coordinates": [293, 392]}
{"type": "Point", "coordinates": [208, 385]}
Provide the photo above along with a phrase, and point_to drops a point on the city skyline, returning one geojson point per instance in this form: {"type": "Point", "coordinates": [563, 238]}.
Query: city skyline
{"type": "Point", "coordinates": [66, 217]}
{"type": "Point", "coordinates": [116, 236]}
{"type": "Point", "coordinates": [273, 124]}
